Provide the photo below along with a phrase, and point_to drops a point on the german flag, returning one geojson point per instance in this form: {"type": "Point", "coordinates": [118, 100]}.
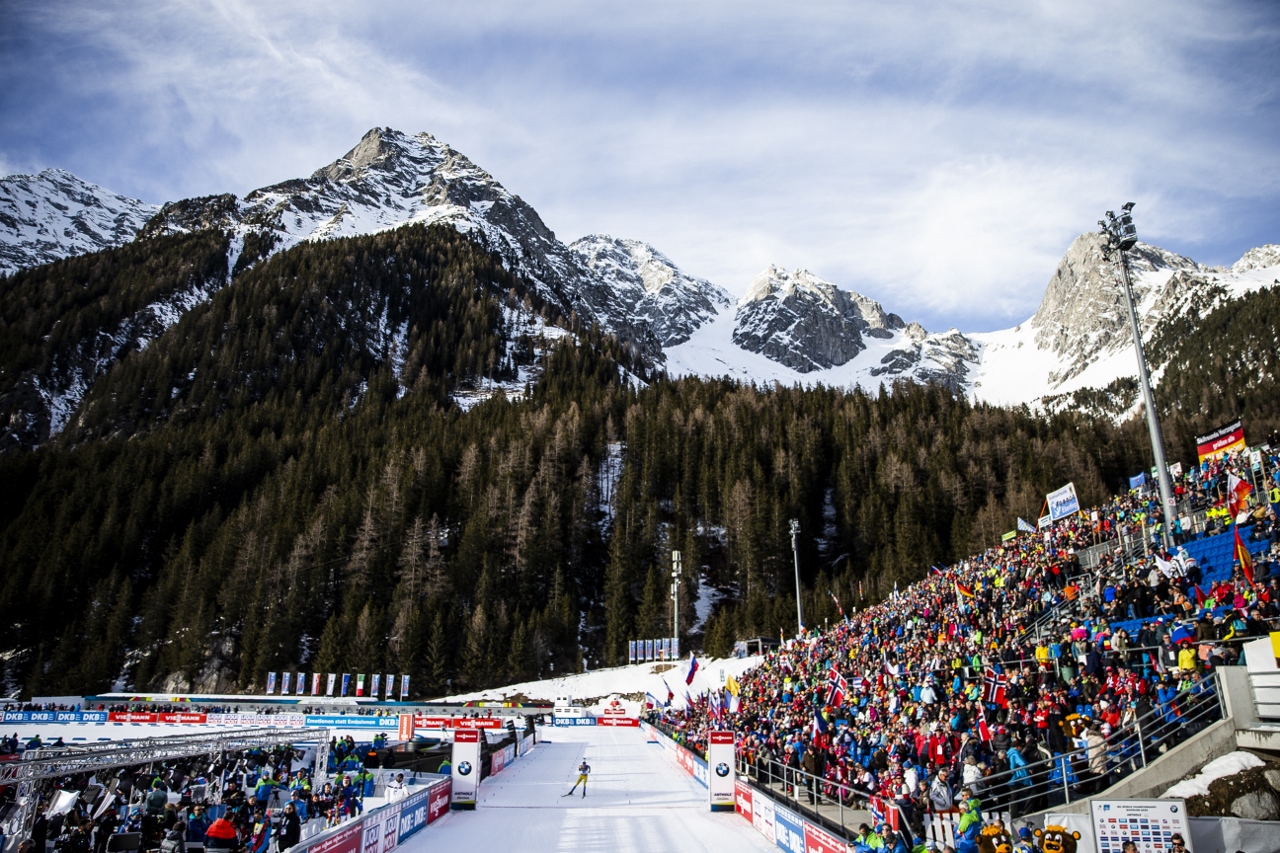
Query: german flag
{"type": "Point", "coordinates": [1242, 554]}
{"type": "Point", "coordinates": [964, 591]}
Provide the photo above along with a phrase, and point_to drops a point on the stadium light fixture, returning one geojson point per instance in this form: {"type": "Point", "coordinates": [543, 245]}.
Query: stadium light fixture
{"type": "Point", "coordinates": [795, 552]}
{"type": "Point", "coordinates": [676, 569]}
{"type": "Point", "coordinates": [1120, 235]}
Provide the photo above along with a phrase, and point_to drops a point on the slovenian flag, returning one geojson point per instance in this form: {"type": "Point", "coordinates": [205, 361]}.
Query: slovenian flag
{"type": "Point", "coordinates": [651, 701]}
{"type": "Point", "coordinates": [692, 669]}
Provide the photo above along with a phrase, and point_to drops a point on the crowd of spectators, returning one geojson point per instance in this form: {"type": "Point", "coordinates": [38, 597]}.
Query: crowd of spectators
{"type": "Point", "coordinates": [1000, 681]}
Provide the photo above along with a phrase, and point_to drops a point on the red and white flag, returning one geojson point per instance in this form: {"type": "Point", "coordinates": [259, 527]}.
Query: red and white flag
{"type": "Point", "coordinates": [1238, 492]}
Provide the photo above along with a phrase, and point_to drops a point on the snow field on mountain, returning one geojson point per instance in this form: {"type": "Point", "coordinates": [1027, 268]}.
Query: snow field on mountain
{"type": "Point", "coordinates": [637, 802]}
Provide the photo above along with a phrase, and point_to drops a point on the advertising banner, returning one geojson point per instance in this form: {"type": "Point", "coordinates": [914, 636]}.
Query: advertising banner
{"type": "Point", "coordinates": [315, 684]}
{"type": "Point", "coordinates": [414, 813]}
{"type": "Point", "coordinates": [438, 800]}
{"type": "Point", "coordinates": [1149, 824]}
{"type": "Point", "coordinates": [284, 683]}
{"type": "Point", "coordinates": [466, 766]}
{"type": "Point", "coordinates": [57, 717]}
{"type": "Point", "coordinates": [329, 690]}
{"type": "Point", "coordinates": [675, 648]}
{"type": "Point", "coordinates": [404, 687]}
{"type": "Point", "coordinates": [476, 723]}
{"type": "Point", "coordinates": [131, 717]}
{"type": "Point", "coordinates": [346, 683]}
{"type": "Point", "coordinates": [563, 722]}
{"type": "Point", "coordinates": [271, 683]}
{"type": "Point", "coordinates": [380, 828]}
{"type": "Point", "coordinates": [1224, 439]}
{"type": "Point", "coordinates": [788, 830]}
{"type": "Point", "coordinates": [1138, 481]}
{"type": "Point", "coordinates": [819, 841]}
{"type": "Point", "coordinates": [345, 840]}
{"type": "Point", "coordinates": [618, 722]}
{"type": "Point", "coordinates": [405, 728]}
{"type": "Point", "coordinates": [631, 651]}
{"type": "Point", "coordinates": [374, 684]}
{"type": "Point", "coordinates": [648, 650]}
{"type": "Point", "coordinates": [720, 781]}
{"type": "Point", "coordinates": [666, 649]}
{"type": "Point", "coordinates": [390, 686]}
{"type": "Point", "coordinates": [762, 816]}
{"type": "Point", "coordinates": [742, 800]}
{"type": "Point", "coordinates": [497, 761]}
{"type": "Point", "coordinates": [350, 721]}
{"type": "Point", "coordinates": [1063, 502]}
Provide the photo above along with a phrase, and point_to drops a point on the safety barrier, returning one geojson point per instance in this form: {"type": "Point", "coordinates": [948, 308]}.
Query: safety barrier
{"type": "Point", "coordinates": [383, 829]}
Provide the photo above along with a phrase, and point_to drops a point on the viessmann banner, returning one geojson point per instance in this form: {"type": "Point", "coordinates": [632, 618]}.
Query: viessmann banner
{"type": "Point", "coordinates": [720, 781]}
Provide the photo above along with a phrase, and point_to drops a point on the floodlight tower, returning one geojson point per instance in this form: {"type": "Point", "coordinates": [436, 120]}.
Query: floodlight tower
{"type": "Point", "coordinates": [1120, 236]}
{"type": "Point", "coordinates": [795, 552]}
{"type": "Point", "coordinates": [676, 569]}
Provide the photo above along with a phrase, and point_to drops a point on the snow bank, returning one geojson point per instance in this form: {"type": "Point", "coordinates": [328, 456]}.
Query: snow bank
{"type": "Point", "coordinates": [1228, 765]}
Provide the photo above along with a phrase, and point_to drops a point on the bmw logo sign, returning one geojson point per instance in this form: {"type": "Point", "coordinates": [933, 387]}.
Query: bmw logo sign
{"type": "Point", "coordinates": [464, 768]}
{"type": "Point", "coordinates": [1173, 809]}
{"type": "Point", "coordinates": [722, 769]}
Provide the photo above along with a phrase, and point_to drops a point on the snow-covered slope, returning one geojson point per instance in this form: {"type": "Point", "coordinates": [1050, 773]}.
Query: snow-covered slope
{"type": "Point", "coordinates": [55, 215]}
{"type": "Point", "coordinates": [1080, 336]}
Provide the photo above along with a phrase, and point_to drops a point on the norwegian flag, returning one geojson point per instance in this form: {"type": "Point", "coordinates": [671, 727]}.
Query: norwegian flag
{"type": "Point", "coordinates": [984, 731]}
{"type": "Point", "coordinates": [837, 689]}
{"type": "Point", "coordinates": [886, 812]}
{"type": "Point", "coordinates": [994, 687]}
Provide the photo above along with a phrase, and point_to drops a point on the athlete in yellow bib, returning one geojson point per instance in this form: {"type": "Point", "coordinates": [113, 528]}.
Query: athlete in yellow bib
{"type": "Point", "coordinates": [584, 770]}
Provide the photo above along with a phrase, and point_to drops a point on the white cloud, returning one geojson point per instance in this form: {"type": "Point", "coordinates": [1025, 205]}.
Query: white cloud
{"type": "Point", "coordinates": [937, 157]}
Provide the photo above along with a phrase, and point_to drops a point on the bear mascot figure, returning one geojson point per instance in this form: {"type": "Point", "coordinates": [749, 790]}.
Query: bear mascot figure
{"type": "Point", "coordinates": [1056, 839]}
{"type": "Point", "coordinates": [994, 839]}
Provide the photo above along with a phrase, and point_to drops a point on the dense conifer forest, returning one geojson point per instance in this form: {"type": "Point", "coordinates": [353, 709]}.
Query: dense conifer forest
{"type": "Point", "coordinates": [282, 480]}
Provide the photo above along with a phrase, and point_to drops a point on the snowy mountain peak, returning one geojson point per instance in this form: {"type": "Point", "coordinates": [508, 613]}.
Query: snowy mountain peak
{"type": "Point", "coordinates": [1256, 259]}
{"type": "Point", "coordinates": [55, 215]}
{"type": "Point", "coordinates": [673, 303]}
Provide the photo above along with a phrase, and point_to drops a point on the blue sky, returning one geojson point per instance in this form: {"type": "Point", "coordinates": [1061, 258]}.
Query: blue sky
{"type": "Point", "coordinates": [937, 156]}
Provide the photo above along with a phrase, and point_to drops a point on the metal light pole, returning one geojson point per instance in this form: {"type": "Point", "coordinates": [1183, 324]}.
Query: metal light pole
{"type": "Point", "coordinates": [676, 568]}
{"type": "Point", "coordinates": [795, 551]}
{"type": "Point", "coordinates": [1121, 235]}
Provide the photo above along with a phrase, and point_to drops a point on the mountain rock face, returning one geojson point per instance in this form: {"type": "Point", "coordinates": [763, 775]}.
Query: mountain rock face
{"type": "Point", "coordinates": [805, 323]}
{"type": "Point", "coordinates": [673, 303]}
{"type": "Point", "coordinates": [54, 215]}
{"type": "Point", "coordinates": [790, 327]}
{"type": "Point", "coordinates": [390, 179]}
{"type": "Point", "coordinates": [1083, 311]}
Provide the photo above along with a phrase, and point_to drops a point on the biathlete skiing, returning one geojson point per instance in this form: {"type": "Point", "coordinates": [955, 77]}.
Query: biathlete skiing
{"type": "Point", "coordinates": [584, 770]}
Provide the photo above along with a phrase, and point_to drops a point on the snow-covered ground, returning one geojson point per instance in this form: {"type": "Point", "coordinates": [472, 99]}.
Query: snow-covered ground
{"type": "Point", "coordinates": [599, 686]}
{"type": "Point", "coordinates": [637, 802]}
{"type": "Point", "coordinates": [1228, 765]}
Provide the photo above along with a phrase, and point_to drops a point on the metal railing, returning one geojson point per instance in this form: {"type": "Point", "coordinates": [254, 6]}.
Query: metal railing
{"type": "Point", "coordinates": [1032, 787]}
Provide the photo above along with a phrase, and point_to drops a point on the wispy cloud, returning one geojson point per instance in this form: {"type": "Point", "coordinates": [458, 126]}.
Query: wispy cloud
{"type": "Point", "coordinates": [938, 157]}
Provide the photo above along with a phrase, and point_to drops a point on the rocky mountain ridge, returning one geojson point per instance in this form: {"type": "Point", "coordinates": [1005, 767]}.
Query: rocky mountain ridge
{"type": "Point", "coordinates": [54, 215]}
{"type": "Point", "coordinates": [789, 327]}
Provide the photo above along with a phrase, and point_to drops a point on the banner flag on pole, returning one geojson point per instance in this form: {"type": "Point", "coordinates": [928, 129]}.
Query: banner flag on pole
{"type": "Point", "coordinates": [315, 684]}
{"type": "Point", "coordinates": [390, 687]}
{"type": "Point", "coordinates": [271, 683]}
{"type": "Point", "coordinates": [346, 683]}
{"type": "Point", "coordinates": [404, 687]}
{"type": "Point", "coordinates": [373, 686]}
{"type": "Point", "coordinates": [284, 683]}
{"type": "Point", "coordinates": [360, 684]}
